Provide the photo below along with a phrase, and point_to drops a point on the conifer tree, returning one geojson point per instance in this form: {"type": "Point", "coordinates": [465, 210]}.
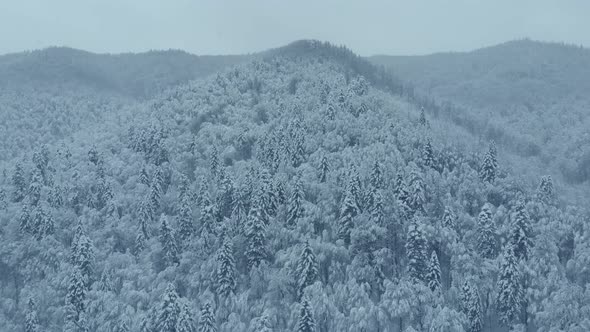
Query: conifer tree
{"type": "Point", "coordinates": [306, 322]}
{"type": "Point", "coordinates": [208, 216]}
{"type": "Point", "coordinates": [144, 177]}
{"type": "Point", "coordinates": [256, 236]}
{"type": "Point", "coordinates": [207, 319]}
{"type": "Point", "coordinates": [265, 194]}
{"type": "Point", "coordinates": [377, 210]}
{"type": "Point", "coordinates": [416, 252]}
{"type": "Point", "coordinates": [521, 232]}
{"type": "Point", "coordinates": [486, 233]}
{"type": "Point", "coordinates": [546, 192]}
{"type": "Point", "coordinates": [146, 216]}
{"type": "Point", "coordinates": [19, 183]}
{"type": "Point", "coordinates": [167, 316]}
{"type": "Point", "coordinates": [226, 196]}
{"type": "Point", "coordinates": [449, 218]}
{"type": "Point", "coordinates": [355, 188]}
{"type": "Point", "coordinates": [324, 169]}
{"type": "Point", "coordinates": [35, 188]}
{"type": "Point", "coordinates": [169, 246]}
{"type": "Point", "coordinates": [471, 307]}
{"type": "Point", "coordinates": [428, 154]}
{"type": "Point", "coordinates": [422, 119]}
{"type": "Point", "coordinates": [307, 269]}
{"type": "Point", "coordinates": [185, 321]}
{"type": "Point", "coordinates": [400, 190]}
{"type": "Point", "coordinates": [416, 193]}
{"type": "Point", "coordinates": [295, 204]}
{"type": "Point", "coordinates": [25, 222]}
{"type": "Point", "coordinates": [489, 166]}
{"type": "Point", "coordinates": [376, 176]}
{"type": "Point", "coordinates": [348, 211]}
{"type": "Point", "coordinates": [214, 161]}
{"type": "Point", "coordinates": [509, 288]}
{"type": "Point", "coordinates": [433, 273]}
{"type": "Point", "coordinates": [330, 112]}
{"type": "Point", "coordinates": [83, 254]}
{"type": "Point", "coordinates": [185, 218]}
{"type": "Point", "coordinates": [156, 191]}
{"type": "Point", "coordinates": [226, 269]}
{"type": "Point", "coordinates": [43, 223]}
{"type": "Point", "coordinates": [76, 296]}
{"type": "Point", "coordinates": [31, 318]}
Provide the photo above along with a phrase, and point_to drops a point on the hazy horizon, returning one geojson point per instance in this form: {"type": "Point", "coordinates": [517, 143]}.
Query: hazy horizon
{"type": "Point", "coordinates": [211, 28]}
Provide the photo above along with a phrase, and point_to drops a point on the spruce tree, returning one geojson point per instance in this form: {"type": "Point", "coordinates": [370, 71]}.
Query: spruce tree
{"type": "Point", "coordinates": [486, 233]}
{"type": "Point", "coordinates": [76, 296]}
{"type": "Point", "coordinates": [377, 209]}
{"type": "Point", "coordinates": [355, 188]}
{"type": "Point", "coordinates": [208, 216]}
{"type": "Point", "coordinates": [207, 319]}
{"type": "Point", "coordinates": [307, 269]}
{"type": "Point", "coordinates": [295, 204]}
{"type": "Point", "coordinates": [489, 166]}
{"type": "Point", "coordinates": [35, 188]}
{"type": "Point", "coordinates": [510, 292]}
{"type": "Point", "coordinates": [167, 316]}
{"type": "Point", "coordinates": [376, 176]}
{"type": "Point", "coordinates": [416, 193]}
{"type": "Point", "coordinates": [449, 218]}
{"type": "Point", "coordinates": [31, 318]}
{"type": "Point", "coordinates": [185, 218]}
{"type": "Point", "coordinates": [169, 246]}
{"type": "Point", "coordinates": [156, 191]}
{"type": "Point", "coordinates": [306, 322]}
{"type": "Point", "coordinates": [423, 122]}
{"type": "Point", "coordinates": [82, 254]}
{"type": "Point", "coordinates": [226, 196]}
{"type": "Point", "coordinates": [433, 273]}
{"type": "Point", "coordinates": [416, 252]}
{"type": "Point", "coordinates": [43, 223]}
{"type": "Point", "coordinates": [348, 211]}
{"type": "Point", "coordinates": [521, 232]}
{"type": "Point", "coordinates": [146, 217]}
{"type": "Point", "coordinates": [25, 221]}
{"type": "Point", "coordinates": [324, 169]}
{"type": "Point", "coordinates": [226, 269]}
{"type": "Point", "coordinates": [185, 321]}
{"type": "Point", "coordinates": [428, 154]}
{"type": "Point", "coordinates": [144, 177]}
{"type": "Point", "coordinates": [19, 183]}
{"type": "Point", "coordinates": [214, 162]}
{"type": "Point", "coordinates": [471, 307]}
{"type": "Point", "coordinates": [256, 236]}
{"type": "Point", "coordinates": [546, 192]}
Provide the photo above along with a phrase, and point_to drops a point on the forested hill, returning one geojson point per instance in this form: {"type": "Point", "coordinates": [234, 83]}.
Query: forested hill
{"type": "Point", "coordinates": [285, 194]}
{"type": "Point", "coordinates": [529, 96]}
{"type": "Point", "coordinates": [132, 75]}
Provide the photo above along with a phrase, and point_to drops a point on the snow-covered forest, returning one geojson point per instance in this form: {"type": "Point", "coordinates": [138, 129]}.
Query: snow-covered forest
{"type": "Point", "coordinates": [302, 189]}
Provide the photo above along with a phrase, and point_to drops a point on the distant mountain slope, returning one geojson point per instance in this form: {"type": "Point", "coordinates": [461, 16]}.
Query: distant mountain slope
{"type": "Point", "coordinates": [536, 90]}
{"type": "Point", "coordinates": [140, 75]}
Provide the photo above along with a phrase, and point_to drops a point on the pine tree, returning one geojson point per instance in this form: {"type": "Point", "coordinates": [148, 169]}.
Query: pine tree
{"type": "Point", "coordinates": [489, 166]}
{"type": "Point", "coordinates": [355, 188]}
{"type": "Point", "coordinates": [546, 192]}
{"type": "Point", "coordinates": [486, 233]}
{"type": "Point", "coordinates": [214, 162]}
{"type": "Point", "coordinates": [295, 204]}
{"type": "Point", "coordinates": [376, 176]}
{"type": "Point", "coordinates": [31, 319]}
{"type": "Point", "coordinates": [167, 316]}
{"type": "Point", "coordinates": [521, 232]}
{"type": "Point", "coordinates": [144, 177]}
{"type": "Point", "coordinates": [471, 307]}
{"type": "Point", "coordinates": [169, 247]}
{"type": "Point", "coordinates": [146, 217]}
{"type": "Point", "coordinates": [422, 119]}
{"type": "Point", "coordinates": [256, 236]}
{"type": "Point", "coordinates": [428, 154]}
{"type": "Point", "coordinates": [509, 288]}
{"type": "Point", "coordinates": [226, 269]}
{"type": "Point", "coordinates": [25, 222]}
{"type": "Point", "coordinates": [185, 218]}
{"type": "Point", "coordinates": [76, 296]}
{"type": "Point", "coordinates": [19, 183]}
{"type": "Point", "coordinates": [306, 321]}
{"type": "Point", "coordinates": [324, 169]}
{"type": "Point", "coordinates": [416, 252]}
{"type": "Point", "coordinates": [207, 319]}
{"type": "Point", "coordinates": [307, 269]}
{"type": "Point", "coordinates": [82, 255]}
{"type": "Point", "coordinates": [416, 194]}
{"type": "Point", "coordinates": [377, 209]}
{"type": "Point", "coordinates": [433, 273]}
{"type": "Point", "coordinates": [185, 321]}
{"type": "Point", "coordinates": [35, 188]}
{"type": "Point", "coordinates": [348, 211]}
{"type": "Point", "coordinates": [449, 218]}
{"type": "Point", "coordinates": [43, 223]}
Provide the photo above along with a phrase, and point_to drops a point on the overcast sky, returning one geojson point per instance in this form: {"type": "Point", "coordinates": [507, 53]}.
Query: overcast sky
{"type": "Point", "coordinates": [241, 26]}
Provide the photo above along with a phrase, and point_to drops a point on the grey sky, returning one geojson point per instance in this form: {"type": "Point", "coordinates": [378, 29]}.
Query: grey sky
{"type": "Point", "coordinates": [240, 26]}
